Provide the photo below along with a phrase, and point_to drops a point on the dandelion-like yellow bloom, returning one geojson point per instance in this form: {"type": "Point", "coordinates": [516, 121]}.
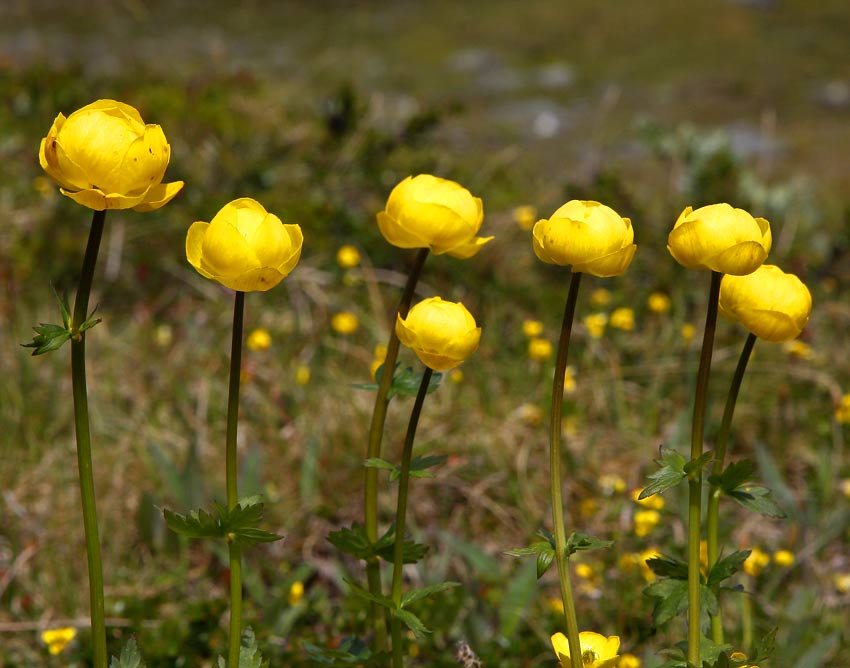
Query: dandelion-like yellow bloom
{"type": "Point", "coordinates": [524, 216]}
{"type": "Point", "coordinates": [720, 238]}
{"type": "Point", "coordinates": [611, 483]}
{"type": "Point", "coordinates": [597, 651]}
{"type": "Point", "coordinates": [58, 639]}
{"type": "Point", "coordinates": [622, 318]}
{"type": "Point", "coordinates": [844, 486]}
{"type": "Point", "coordinates": [441, 333]}
{"type": "Point", "coordinates": [532, 328]}
{"type": "Point", "coordinates": [589, 236]}
{"type": "Point", "coordinates": [584, 571]}
{"type": "Point", "coordinates": [755, 563]}
{"type": "Point", "coordinates": [345, 323]}
{"type": "Point", "coordinates": [587, 507]}
{"type": "Point", "coordinates": [841, 582]}
{"type": "Point", "coordinates": [570, 384]}
{"type": "Point", "coordinates": [658, 302]}
{"type": "Point", "coordinates": [348, 257]}
{"type": "Point", "coordinates": [244, 247]}
{"type": "Point", "coordinates": [429, 212]}
{"type": "Point", "coordinates": [104, 157]}
{"type": "Point", "coordinates": [688, 332]}
{"type": "Point", "coordinates": [595, 324]}
{"type": "Point", "coordinates": [842, 411]}
{"type": "Point", "coordinates": [773, 305]}
{"type": "Point", "coordinates": [784, 558]}
{"type": "Point", "coordinates": [645, 521]}
{"type": "Point", "coordinates": [296, 592]}
{"type": "Point", "coordinates": [302, 375]}
{"type": "Point", "coordinates": [555, 604]}
{"type": "Point", "coordinates": [539, 350]}
{"type": "Point", "coordinates": [456, 376]}
{"type": "Point", "coordinates": [654, 502]}
{"type": "Point", "coordinates": [259, 339]}
{"type": "Point", "coordinates": [799, 349]}
{"type": "Point", "coordinates": [600, 297]}
{"type": "Point", "coordinates": [629, 661]}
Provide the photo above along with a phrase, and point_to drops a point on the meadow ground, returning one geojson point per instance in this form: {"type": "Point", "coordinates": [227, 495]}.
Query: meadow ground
{"type": "Point", "coordinates": [318, 110]}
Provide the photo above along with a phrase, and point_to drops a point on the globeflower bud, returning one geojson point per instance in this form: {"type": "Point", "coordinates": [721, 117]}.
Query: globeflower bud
{"type": "Point", "coordinates": [773, 305]}
{"type": "Point", "coordinates": [442, 334]}
{"type": "Point", "coordinates": [104, 157]}
{"type": "Point", "coordinates": [429, 212]}
{"type": "Point", "coordinates": [590, 236]}
{"type": "Point", "coordinates": [244, 247]}
{"type": "Point", "coordinates": [720, 238]}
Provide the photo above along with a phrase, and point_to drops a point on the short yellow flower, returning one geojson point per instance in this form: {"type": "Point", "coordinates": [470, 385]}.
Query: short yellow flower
{"type": "Point", "coordinates": [720, 238]}
{"type": "Point", "coordinates": [345, 323]}
{"type": "Point", "coordinates": [842, 411]}
{"type": "Point", "coordinates": [654, 502]}
{"type": "Point", "coordinates": [629, 661]}
{"type": "Point", "coordinates": [259, 339]}
{"type": "Point", "coordinates": [584, 571]}
{"type": "Point", "coordinates": [784, 558]}
{"type": "Point", "coordinates": [658, 302]}
{"type": "Point", "coordinates": [600, 297]}
{"type": "Point", "coordinates": [622, 318]}
{"type": "Point", "coordinates": [773, 305]}
{"type": "Point", "coordinates": [841, 582]}
{"type": "Point", "coordinates": [539, 350]}
{"type": "Point", "coordinates": [456, 376]}
{"type": "Point", "coordinates": [597, 651]}
{"type": "Point", "coordinates": [57, 639]}
{"type": "Point", "coordinates": [244, 247]}
{"type": "Point", "coordinates": [524, 216]}
{"type": "Point", "coordinates": [103, 156]}
{"type": "Point", "coordinates": [348, 257]}
{"type": "Point", "coordinates": [595, 324]}
{"type": "Point", "coordinates": [441, 333]}
{"type": "Point", "coordinates": [570, 384]}
{"type": "Point", "coordinates": [429, 212]}
{"type": "Point", "coordinates": [589, 236]}
{"type": "Point", "coordinates": [302, 375]}
{"type": "Point", "coordinates": [532, 328]}
{"type": "Point", "coordinates": [530, 414]}
{"type": "Point", "coordinates": [296, 592]}
{"type": "Point", "coordinates": [844, 486]}
{"type": "Point", "coordinates": [555, 604]}
{"type": "Point", "coordinates": [799, 349]}
{"type": "Point", "coordinates": [645, 521]}
{"type": "Point", "coordinates": [688, 332]}
{"type": "Point", "coordinates": [755, 563]}
{"type": "Point", "coordinates": [611, 483]}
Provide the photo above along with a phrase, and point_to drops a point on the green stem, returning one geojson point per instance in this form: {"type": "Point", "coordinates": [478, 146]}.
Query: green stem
{"type": "Point", "coordinates": [84, 457]}
{"type": "Point", "coordinates": [401, 513]}
{"type": "Point", "coordinates": [561, 557]}
{"type": "Point", "coordinates": [695, 479]}
{"type": "Point", "coordinates": [713, 511]}
{"type": "Point", "coordinates": [376, 433]}
{"type": "Point", "coordinates": [234, 551]}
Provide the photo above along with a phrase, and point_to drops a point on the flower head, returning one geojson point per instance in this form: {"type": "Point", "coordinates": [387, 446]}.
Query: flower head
{"type": "Point", "coordinates": [597, 651]}
{"type": "Point", "coordinates": [589, 236]}
{"type": "Point", "coordinates": [622, 318]}
{"type": "Point", "coordinates": [755, 563]}
{"type": "Point", "coordinates": [773, 305]}
{"type": "Point", "coordinates": [302, 374]}
{"type": "Point", "coordinates": [720, 238]}
{"type": "Point", "coordinates": [103, 156]}
{"type": "Point", "coordinates": [532, 328]}
{"type": "Point", "coordinates": [784, 558]}
{"type": "Point", "coordinates": [244, 247]}
{"type": "Point", "coordinates": [259, 339]}
{"type": "Point", "coordinates": [524, 216]}
{"type": "Point", "coordinates": [429, 212]}
{"type": "Point", "coordinates": [442, 334]}
{"type": "Point", "coordinates": [646, 521]}
{"type": "Point", "coordinates": [348, 257]}
{"type": "Point", "coordinates": [600, 297]}
{"type": "Point", "coordinates": [595, 324]}
{"type": "Point", "coordinates": [296, 592]}
{"type": "Point", "coordinates": [539, 350]}
{"type": "Point", "coordinates": [345, 323]}
{"type": "Point", "coordinates": [57, 639]}
{"type": "Point", "coordinates": [658, 302]}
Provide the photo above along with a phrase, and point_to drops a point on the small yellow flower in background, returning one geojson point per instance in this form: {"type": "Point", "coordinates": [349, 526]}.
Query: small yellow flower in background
{"type": "Point", "coordinates": [426, 211]}
{"type": "Point", "coordinates": [43, 186]}
{"type": "Point", "coordinates": [57, 639]}
{"type": "Point", "coordinates": [844, 486]}
{"type": "Point", "coordinates": [658, 302]}
{"type": "Point", "coordinates": [799, 349]}
{"type": "Point", "coordinates": [524, 216]}
{"type": "Point", "coordinates": [530, 414]}
{"type": "Point", "coordinates": [773, 305]}
{"type": "Point", "coordinates": [611, 483]}
{"type": "Point", "coordinates": [374, 366]}
{"type": "Point", "coordinates": [244, 247]}
{"type": "Point", "coordinates": [646, 571]}
{"type": "Point", "coordinates": [584, 571]}
{"type": "Point", "coordinates": [570, 380]}
{"type": "Point", "coordinates": [302, 375]}
{"type": "Point", "coordinates": [555, 604]}
{"type": "Point", "coordinates": [296, 592]}
{"type": "Point", "coordinates": [532, 328]}
{"type": "Point", "coordinates": [163, 335]}
{"type": "Point", "coordinates": [629, 661]}
{"type": "Point", "coordinates": [720, 238]}
{"type": "Point", "coordinates": [597, 651]}
{"type": "Point", "coordinates": [755, 563]}
{"type": "Point", "coordinates": [645, 521]}
{"type": "Point", "coordinates": [600, 297]}
{"type": "Point", "coordinates": [588, 507]}
{"type": "Point", "coordinates": [348, 257]}
{"type": "Point", "coordinates": [841, 582]}
{"type": "Point", "coordinates": [595, 324]}
{"type": "Point", "coordinates": [259, 339]}
{"type": "Point", "coordinates": [589, 236]}
{"type": "Point", "coordinates": [842, 411]}
{"type": "Point", "coordinates": [655, 502]}
{"type": "Point", "coordinates": [622, 318]}
{"type": "Point", "coordinates": [456, 376]}
{"type": "Point", "coordinates": [688, 332]}
{"type": "Point", "coordinates": [104, 157]}
{"type": "Point", "coordinates": [784, 558]}
{"type": "Point", "coordinates": [441, 333]}
{"type": "Point", "coordinates": [345, 323]}
{"type": "Point", "coordinates": [380, 351]}
{"type": "Point", "coordinates": [539, 350]}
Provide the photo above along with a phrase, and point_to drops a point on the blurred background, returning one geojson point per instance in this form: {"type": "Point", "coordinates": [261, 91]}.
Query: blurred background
{"type": "Point", "coordinates": [317, 109]}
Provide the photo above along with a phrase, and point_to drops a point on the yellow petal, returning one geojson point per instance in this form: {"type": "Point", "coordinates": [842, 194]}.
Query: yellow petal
{"type": "Point", "coordinates": [100, 201]}
{"type": "Point", "coordinates": [194, 246]}
{"type": "Point", "coordinates": [397, 235]}
{"type": "Point", "coordinates": [470, 248]}
{"type": "Point", "coordinates": [256, 280]}
{"type": "Point", "coordinates": [160, 195]}
{"type": "Point", "coordinates": [608, 265]}
{"type": "Point", "coordinates": [225, 254]}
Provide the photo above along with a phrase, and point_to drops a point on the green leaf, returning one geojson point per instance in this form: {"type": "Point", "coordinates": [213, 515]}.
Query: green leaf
{"type": "Point", "coordinates": [671, 471]}
{"type": "Point", "coordinates": [405, 383]}
{"type": "Point", "coordinates": [130, 657]}
{"type": "Point", "coordinates": [667, 567]}
{"type": "Point", "coordinates": [352, 541]}
{"type": "Point", "coordinates": [423, 592]}
{"type": "Point", "coordinates": [734, 475]}
{"type": "Point", "coordinates": [417, 466]}
{"type": "Point", "coordinates": [544, 561]}
{"type": "Point", "coordinates": [412, 622]}
{"type": "Point", "coordinates": [726, 567]}
{"type": "Point", "coordinates": [517, 599]}
{"type": "Point", "coordinates": [582, 542]}
{"type": "Point", "coordinates": [90, 322]}
{"type": "Point", "coordinates": [194, 524]}
{"type": "Point", "coordinates": [693, 467]}
{"type": "Point", "coordinates": [411, 550]}
{"type": "Point", "coordinates": [756, 497]}
{"type": "Point", "coordinates": [64, 306]}
{"type": "Point", "coordinates": [671, 599]}
{"type": "Point", "coordinates": [249, 537]}
{"type": "Point", "coordinates": [249, 653]}
{"type": "Point", "coordinates": [365, 594]}
{"type": "Point", "coordinates": [544, 551]}
{"type": "Point", "coordinates": [766, 645]}
{"type": "Point", "coordinates": [351, 651]}
{"type": "Point", "coordinates": [378, 463]}
{"type": "Point", "coordinates": [238, 525]}
{"type": "Point", "coordinates": [48, 338]}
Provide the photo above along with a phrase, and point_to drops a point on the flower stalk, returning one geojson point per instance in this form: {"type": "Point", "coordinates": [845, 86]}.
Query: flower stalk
{"type": "Point", "coordinates": [561, 556]}
{"type": "Point", "coordinates": [84, 455]}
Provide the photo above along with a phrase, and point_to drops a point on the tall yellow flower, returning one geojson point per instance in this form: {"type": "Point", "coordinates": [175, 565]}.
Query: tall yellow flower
{"type": "Point", "coordinates": [244, 247]}
{"type": "Point", "coordinates": [720, 238]}
{"type": "Point", "coordinates": [589, 236]}
{"type": "Point", "coordinates": [426, 211]}
{"type": "Point", "coordinates": [597, 651]}
{"type": "Point", "coordinates": [442, 334]}
{"type": "Point", "coordinates": [103, 156]}
{"type": "Point", "coordinates": [773, 305]}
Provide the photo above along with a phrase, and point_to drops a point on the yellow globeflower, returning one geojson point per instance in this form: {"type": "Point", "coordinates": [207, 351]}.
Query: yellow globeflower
{"type": "Point", "coordinates": [302, 374]}
{"type": "Point", "coordinates": [658, 302]}
{"type": "Point", "coordinates": [755, 563]}
{"type": "Point", "coordinates": [429, 212]}
{"type": "Point", "coordinates": [720, 238]}
{"type": "Point", "coordinates": [622, 318]}
{"type": "Point", "coordinates": [532, 328]}
{"type": "Point", "coordinates": [595, 324]}
{"type": "Point", "coordinates": [646, 521]}
{"type": "Point", "coordinates": [244, 247]}
{"type": "Point", "coordinates": [589, 236]}
{"type": "Point", "coordinates": [57, 639]}
{"type": "Point", "coordinates": [539, 350]}
{"type": "Point", "coordinates": [842, 411]}
{"type": "Point", "coordinates": [784, 558]}
{"type": "Point", "coordinates": [597, 651]}
{"type": "Point", "coordinates": [773, 305]}
{"type": "Point", "coordinates": [345, 323]}
{"type": "Point", "coordinates": [103, 156]}
{"type": "Point", "coordinates": [442, 334]}
{"type": "Point", "coordinates": [600, 297]}
{"type": "Point", "coordinates": [348, 257]}
{"type": "Point", "coordinates": [629, 661]}
{"type": "Point", "coordinates": [524, 216]}
{"type": "Point", "coordinates": [259, 339]}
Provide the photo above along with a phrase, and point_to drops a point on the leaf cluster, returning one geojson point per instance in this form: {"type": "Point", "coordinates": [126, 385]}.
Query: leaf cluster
{"type": "Point", "coordinates": [237, 525]}
{"type": "Point", "coordinates": [355, 542]}
{"type": "Point", "coordinates": [50, 337]}
{"type": "Point", "coordinates": [544, 550]}
{"type": "Point", "coordinates": [735, 483]}
{"type": "Point", "coordinates": [405, 382]}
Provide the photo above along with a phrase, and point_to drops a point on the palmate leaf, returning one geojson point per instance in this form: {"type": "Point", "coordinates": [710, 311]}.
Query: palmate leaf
{"type": "Point", "coordinates": [726, 567]}
{"type": "Point", "coordinates": [51, 337]}
{"type": "Point", "coordinates": [756, 497]}
{"type": "Point", "coordinates": [355, 542]}
{"type": "Point", "coordinates": [405, 383]}
{"type": "Point", "coordinates": [418, 465]}
{"type": "Point", "coordinates": [129, 658]}
{"type": "Point", "coordinates": [194, 524]}
{"type": "Point", "coordinates": [671, 599]}
{"type": "Point", "coordinates": [671, 471]}
{"type": "Point", "coordinates": [412, 622]}
{"type": "Point", "coordinates": [667, 567]}
{"type": "Point", "coordinates": [366, 595]}
{"type": "Point", "coordinates": [415, 595]}
{"type": "Point", "coordinates": [579, 542]}
{"type": "Point", "coordinates": [238, 525]}
{"type": "Point", "coordinates": [734, 475]}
